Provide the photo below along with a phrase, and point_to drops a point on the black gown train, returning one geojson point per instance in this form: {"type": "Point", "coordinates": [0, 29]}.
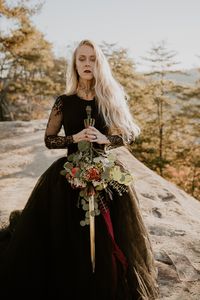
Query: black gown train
{"type": "Point", "coordinates": [46, 254]}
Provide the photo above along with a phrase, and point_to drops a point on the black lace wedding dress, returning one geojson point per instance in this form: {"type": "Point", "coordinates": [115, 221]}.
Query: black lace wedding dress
{"type": "Point", "coordinates": [46, 254]}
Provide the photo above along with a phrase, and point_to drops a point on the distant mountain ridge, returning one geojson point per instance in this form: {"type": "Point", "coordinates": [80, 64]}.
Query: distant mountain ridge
{"type": "Point", "coordinates": [189, 76]}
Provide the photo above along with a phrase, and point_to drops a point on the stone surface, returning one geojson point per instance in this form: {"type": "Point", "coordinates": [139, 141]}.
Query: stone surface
{"type": "Point", "coordinates": [171, 215]}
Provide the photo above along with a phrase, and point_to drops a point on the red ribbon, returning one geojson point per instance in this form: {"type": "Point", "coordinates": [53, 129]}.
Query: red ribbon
{"type": "Point", "coordinates": [116, 250]}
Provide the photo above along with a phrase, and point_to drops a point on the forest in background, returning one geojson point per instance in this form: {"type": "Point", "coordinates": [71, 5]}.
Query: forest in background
{"type": "Point", "coordinates": [164, 101]}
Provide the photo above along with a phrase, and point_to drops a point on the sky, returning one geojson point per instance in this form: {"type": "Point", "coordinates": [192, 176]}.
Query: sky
{"type": "Point", "coordinates": [136, 25]}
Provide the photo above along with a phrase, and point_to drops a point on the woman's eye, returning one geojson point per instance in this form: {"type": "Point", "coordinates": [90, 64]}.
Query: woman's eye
{"type": "Point", "coordinates": [83, 59]}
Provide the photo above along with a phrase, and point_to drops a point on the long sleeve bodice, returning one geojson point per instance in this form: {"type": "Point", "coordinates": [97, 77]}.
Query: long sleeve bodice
{"type": "Point", "coordinates": [70, 112]}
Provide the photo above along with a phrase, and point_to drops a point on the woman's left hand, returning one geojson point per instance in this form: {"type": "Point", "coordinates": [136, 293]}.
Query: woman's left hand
{"type": "Point", "coordinates": [95, 136]}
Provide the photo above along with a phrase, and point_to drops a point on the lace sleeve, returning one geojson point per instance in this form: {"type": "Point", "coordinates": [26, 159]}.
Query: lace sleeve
{"type": "Point", "coordinates": [55, 122]}
{"type": "Point", "coordinates": [117, 141]}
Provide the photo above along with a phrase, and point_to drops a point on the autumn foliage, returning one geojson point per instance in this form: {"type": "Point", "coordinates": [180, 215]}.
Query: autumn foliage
{"type": "Point", "coordinates": [167, 112]}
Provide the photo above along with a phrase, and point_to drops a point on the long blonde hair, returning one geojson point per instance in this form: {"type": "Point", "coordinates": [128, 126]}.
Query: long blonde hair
{"type": "Point", "coordinates": [110, 95]}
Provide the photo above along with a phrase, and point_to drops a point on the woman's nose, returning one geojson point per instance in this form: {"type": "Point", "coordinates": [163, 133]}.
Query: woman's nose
{"type": "Point", "coordinates": [87, 63]}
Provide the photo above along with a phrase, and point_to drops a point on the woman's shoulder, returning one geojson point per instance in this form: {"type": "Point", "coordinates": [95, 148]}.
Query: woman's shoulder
{"type": "Point", "coordinates": [61, 99]}
{"type": "Point", "coordinates": [64, 97]}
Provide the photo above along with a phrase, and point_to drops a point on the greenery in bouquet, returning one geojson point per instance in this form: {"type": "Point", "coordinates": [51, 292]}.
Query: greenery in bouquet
{"type": "Point", "coordinates": [92, 170]}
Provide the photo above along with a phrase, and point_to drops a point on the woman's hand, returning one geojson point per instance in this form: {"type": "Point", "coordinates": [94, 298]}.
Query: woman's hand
{"type": "Point", "coordinates": [90, 134]}
{"type": "Point", "coordinates": [95, 136]}
{"type": "Point", "coordinates": [80, 136]}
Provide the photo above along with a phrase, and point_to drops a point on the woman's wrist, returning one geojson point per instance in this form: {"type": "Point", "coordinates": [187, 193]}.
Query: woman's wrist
{"type": "Point", "coordinates": [74, 138]}
{"type": "Point", "coordinates": [107, 141]}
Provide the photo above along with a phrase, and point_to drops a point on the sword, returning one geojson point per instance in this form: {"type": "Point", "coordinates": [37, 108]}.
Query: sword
{"type": "Point", "coordinates": [92, 232]}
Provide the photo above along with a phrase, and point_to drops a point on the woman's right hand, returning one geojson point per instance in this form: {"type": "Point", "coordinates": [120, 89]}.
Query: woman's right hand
{"type": "Point", "coordinates": [83, 135]}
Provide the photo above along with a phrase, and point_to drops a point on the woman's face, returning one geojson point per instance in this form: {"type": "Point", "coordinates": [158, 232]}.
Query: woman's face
{"type": "Point", "coordinates": [85, 60]}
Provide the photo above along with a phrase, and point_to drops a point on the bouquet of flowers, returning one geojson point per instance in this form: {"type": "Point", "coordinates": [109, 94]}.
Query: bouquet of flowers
{"type": "Point", "coordinates": [91, 171]}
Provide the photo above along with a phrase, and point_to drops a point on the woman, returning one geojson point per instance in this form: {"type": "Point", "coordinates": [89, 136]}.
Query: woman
{"type": "Point", "coordinates": [48, 252]}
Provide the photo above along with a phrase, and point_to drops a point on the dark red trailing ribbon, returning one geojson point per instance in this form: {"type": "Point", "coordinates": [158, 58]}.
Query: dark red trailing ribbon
{"type": "Point", "coordinates": [116, 250]}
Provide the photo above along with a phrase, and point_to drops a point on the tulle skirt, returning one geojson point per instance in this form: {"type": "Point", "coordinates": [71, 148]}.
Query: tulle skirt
{"type": "Point", "coordinates": [47, 253]}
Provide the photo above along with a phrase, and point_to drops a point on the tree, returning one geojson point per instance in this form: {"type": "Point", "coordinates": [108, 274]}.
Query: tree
{"type": "Point", "coordinates": [26, 58]}
{"type": "Point", "coordinates": [185, 170]}
{"type": "Point", "coordinates": [123, 67]}
{"type": "Point", "coordinates": [170, 121]}
{"type": "Point", "coordinates": [159, 87]}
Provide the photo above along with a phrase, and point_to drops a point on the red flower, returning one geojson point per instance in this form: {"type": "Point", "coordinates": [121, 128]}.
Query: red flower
{"type": "Point", "coordinates": [74, 171]}
{"type": "Point", "coordinates": [93, 174]}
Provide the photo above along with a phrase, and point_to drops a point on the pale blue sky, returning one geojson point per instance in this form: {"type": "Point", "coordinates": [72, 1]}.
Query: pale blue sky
{"type": "Point", "coordinates": [133, 24]}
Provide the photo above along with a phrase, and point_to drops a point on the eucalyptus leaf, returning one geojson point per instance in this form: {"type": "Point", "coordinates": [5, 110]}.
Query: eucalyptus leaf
{"type": "Point", "coordinates": [122, 179]}
{"type": "Point", "coordinates": [63, 172]}
{"type": "Point", "coordinates": [83, 201]}
{"type": "Point", "coordinates": [87, 221]}
{"type": "Point", "coordinates": [82, 223]}
{"type": "Point", "coordinates": [85, 206]}
{"type": "Point", "coordinates": [70, 157]}
{"type": "Point", "coordinates": [82, 193]}
{"type": "Point", "coordinates": [92, 213]}
{"type": "Point", "coordinates": [68, 165]}
{"type": "Point", "coordinates": [100, 187]}
{"type": "Point", "coordinates": [86, 199]}
{"type": "Point", "coordinates": [97, 212]}
{"type": "Point", "coordinates": [83, 146]}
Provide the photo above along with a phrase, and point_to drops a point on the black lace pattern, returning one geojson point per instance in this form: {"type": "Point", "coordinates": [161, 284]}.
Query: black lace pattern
{"type": "Point", "coordinates": [55, 122]}
{"type": "Point", "coordinates": [58, 142]}
{"type": "Point", "coordinates": [115, 141]}
{"type": "Point", "coordinates": [58, 106]}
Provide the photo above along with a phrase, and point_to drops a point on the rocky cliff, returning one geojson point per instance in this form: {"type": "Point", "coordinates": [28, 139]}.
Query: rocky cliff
{"type": "Point", "coordinates": [171, 215]}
